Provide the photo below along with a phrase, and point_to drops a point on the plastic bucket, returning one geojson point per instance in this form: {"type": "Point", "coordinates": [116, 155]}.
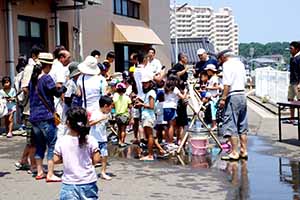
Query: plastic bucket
{"type": "Point", "coordinates": [199, 145]}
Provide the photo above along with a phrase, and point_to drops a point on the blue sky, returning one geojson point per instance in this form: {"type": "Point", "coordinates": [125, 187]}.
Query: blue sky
{"type": "Point", "coordinates": [260, 20]}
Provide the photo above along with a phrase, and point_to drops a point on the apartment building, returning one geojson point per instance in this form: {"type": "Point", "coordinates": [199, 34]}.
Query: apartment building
{"type": "Point", "coordinates": [123, 26]}
{"type": "Point", "coordinates": [218, 26]}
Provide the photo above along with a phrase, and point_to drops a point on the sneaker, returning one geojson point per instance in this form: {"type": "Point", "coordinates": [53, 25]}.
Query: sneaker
{"type": "Point", "coordinates": [172, 147]}
{"type": "Point", "coordinates": [20, 166]}
{"type": "Point", "coordinates": [105, 177]}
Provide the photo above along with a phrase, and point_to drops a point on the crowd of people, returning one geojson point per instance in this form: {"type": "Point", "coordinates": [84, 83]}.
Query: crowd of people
{"type": "Point", "coordinates": [66, 108]}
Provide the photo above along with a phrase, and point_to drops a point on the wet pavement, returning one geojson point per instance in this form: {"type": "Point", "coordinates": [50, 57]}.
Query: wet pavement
{"type": "Point", "coordinates": [263, 176]}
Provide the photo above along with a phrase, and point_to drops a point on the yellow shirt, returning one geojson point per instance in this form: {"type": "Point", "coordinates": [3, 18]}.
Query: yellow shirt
{"type": "Point", "coordinates": [121, 104]}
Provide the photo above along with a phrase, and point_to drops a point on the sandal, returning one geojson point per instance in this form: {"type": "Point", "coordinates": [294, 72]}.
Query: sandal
{"type": "Point", "coordinates": [230, 158]}
{"type": "Point", "coordinates": [40, 177]}
{"type": "Point", "coordinates": [53, 179]}
{"type": "Point", "coordinates": [244, 156]}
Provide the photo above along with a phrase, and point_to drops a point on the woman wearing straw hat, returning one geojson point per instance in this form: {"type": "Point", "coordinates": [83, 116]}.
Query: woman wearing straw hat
{"type": "Point", "coordinates": [42, 90]}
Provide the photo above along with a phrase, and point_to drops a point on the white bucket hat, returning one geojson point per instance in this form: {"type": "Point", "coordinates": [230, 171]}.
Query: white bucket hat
{"type": "Point", "coordinates": [210, 67]}
{"type": "Point", "coordinates": [146, 77]}
{"type": "Point", "coordinates": [201, 51]}
{"type": "Point", "coordinates": [89, 66]}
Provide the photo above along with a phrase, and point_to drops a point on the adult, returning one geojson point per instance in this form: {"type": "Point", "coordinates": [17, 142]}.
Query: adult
{"type": "Point", "coordinates": [154, 66]}
{"type": "Point", "coordinates": [96, 53]}
{"type": "Point", "coordinates": [181, 67]}
{"type": "Point", "coordinates": [42, 89]}
{"type": "Point", "coordinates": [110, 58]}
{"type": "Point", "coordinates": [205, 59]}
{"type": "Point", "coordinates": [89, 84]}
{"type": "Point", "coordinates": [234, 103]}
{"type": "Point", "coordinates": [294, 86]}
{"type": "Point", "coordinates": [59, 73]}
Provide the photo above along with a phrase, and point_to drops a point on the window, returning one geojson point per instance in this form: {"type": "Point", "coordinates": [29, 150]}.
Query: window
{"type": "Point", "coordinates": [127, 8]}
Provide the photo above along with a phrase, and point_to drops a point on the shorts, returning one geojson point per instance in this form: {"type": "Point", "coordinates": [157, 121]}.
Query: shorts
{"type": "Point", "coordinates": [122, 120]}
{"type": "Point", "coordinates": [293, 92]}
{"type": "Point", "coordinates": [103, 148]}
{"type": "Point", "coordinates": [235, 117]}
{"type": "Point", "coordinates": [136, 113]}
{"type": "Point", "coordinates": [169, 114]}
{"type": "Point", "coordinates": [78, 192]}
{"type": "Point", "coordinates": [29, 131]}
{"type": "Point", "coordinates": [148, 123]}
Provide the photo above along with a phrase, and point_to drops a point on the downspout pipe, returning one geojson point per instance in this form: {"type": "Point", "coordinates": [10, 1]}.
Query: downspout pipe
{"type": "Point", "coordinates": [10, 35]}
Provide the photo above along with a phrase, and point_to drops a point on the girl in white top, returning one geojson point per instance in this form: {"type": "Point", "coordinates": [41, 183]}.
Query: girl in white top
{"type": "Point", "coordinates": [172, 95]}
{"type": "Point", "coordinates": [78, 152]}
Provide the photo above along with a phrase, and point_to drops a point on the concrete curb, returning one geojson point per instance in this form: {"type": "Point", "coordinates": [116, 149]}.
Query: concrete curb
{"type": "Point", "coordinates": [264, 105]}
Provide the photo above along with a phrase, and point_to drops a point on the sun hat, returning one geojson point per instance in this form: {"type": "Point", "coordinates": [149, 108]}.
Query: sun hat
{"type": "Point", "coordinates": [121, 86]}
{"type": "Point", "coordinates": [73, 68]}
{"type": "Point", "coordinates": [201, 51]}
{"type": "Point", "coordinates": [46, 58]}
{"type": "Point", "coordinates": [89, 66]}
{"type": "Point", "coordinates": [146, 77]}
{"type": "Point", "coordinates": [211, 67]}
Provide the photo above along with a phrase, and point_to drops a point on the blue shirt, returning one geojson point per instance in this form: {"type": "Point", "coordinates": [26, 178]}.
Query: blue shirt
{"type": "Point", "coordinates": [38, 110]}
{"type": "Point", "coordinates": [200, 66]}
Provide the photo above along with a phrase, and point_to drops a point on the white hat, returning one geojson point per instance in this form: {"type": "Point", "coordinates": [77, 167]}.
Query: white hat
{"type": "Point", "coordinates": [210, 67]}
{"type": "Point", "coordinates": [146, 77]}
{"type": "Point", "coordinates": [201, 51]}
{"type": "Point", "coordinates": [89, 66]}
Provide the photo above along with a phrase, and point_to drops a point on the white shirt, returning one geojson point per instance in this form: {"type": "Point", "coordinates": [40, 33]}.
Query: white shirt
{"type": "Point", "coordinates": [154, 66]}
{"type": "Point", "coordinates": [213, 81]}
{"type": "Point", "coordinates": [58, 72]}
{"type": "Point", "coordinates": [148, 113]}
{"type": "Point", "coordinates": [92, 85]}
{"type": "Point", "coordinates": [138, 73]}
{"type": "Point", "coordinates": [98, 131]}
{"type": "Point", "coordinates": [171, 99]}
{"type": "Point", "coordinates": [234, 74]}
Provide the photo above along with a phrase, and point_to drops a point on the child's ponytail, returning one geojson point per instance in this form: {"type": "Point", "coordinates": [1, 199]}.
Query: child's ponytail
{"type": "Point", "coordinates": [77, 120]}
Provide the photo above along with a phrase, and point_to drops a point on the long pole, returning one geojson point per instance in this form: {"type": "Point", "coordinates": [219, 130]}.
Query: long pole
{"type": "Point", "coordinates": [10, 42]}
{"type": "Point", "coordinates": [176, 41]}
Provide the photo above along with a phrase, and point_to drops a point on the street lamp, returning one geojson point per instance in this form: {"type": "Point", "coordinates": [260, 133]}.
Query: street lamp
{"type": "Point", "coordinates": [176, 40]}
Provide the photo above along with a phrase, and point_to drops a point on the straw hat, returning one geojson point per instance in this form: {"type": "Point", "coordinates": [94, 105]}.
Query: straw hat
{"type": "Point", "coordinates": [46, 58]}
{"type": "Point", "coordinates": [89, 66]}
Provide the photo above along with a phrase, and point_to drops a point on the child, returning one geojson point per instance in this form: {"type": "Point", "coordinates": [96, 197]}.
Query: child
{"type": "Point", "coordinates": [182, 117]}
{"type": "Point", "coordinates": [203, 83]}
{"type": "Point", "coordinates": [172, 95]}
{"type": "Point", "coordinates": [98, 122]}
{"type": "Point", "coordinates": [213, 88]}
{"type": "Point", "coordinates": [9, 94]}
{"type": "Point", "coordinates": [122, 104]}
{"type": "Point", "coordinates": [78, 152]}
{"type": "Point", "coordinates": [148, 115]}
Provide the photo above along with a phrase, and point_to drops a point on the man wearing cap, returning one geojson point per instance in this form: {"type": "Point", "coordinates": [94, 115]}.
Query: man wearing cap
{"type": "Point", "coordinates": [204, 61]}
{"type": "Point", "coordinates": [233, 100]}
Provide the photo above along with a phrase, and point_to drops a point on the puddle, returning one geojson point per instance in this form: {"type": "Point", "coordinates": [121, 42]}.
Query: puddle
{"type": "Point", "coordinates": [261, 177]}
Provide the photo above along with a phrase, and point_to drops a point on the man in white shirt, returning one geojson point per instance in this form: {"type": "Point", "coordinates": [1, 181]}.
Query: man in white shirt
{"type": "Point", "coordinates": [59, 73]}
{"type": "Point", "coordinates": [154, 66]}
{"type": "Point", "coordinates": [234, 103]}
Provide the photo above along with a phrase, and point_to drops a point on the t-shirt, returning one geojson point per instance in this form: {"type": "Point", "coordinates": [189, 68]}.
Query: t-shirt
{"type": "Point", "coordinates": [153, 66]}
{"type": "Point", "coordinates": [121, 104]}
{"type": "Point", "coordinates": [234, 74]}
{"type": "Point", "coordinates": [103, 85]}
{"type": "Point", "coordinates": [38, 110]}
{"type": "Point", "coordinates": [77, 162]}
{"type": "Point", "coordinates": [98, 131]}
{"type": "Point", "coordinates": [138, 73]}
{"type": "Point", "coordinates": [179, 67]}
{"type": "Point", "coordinates": [92, 85]}
{"type": "Point", "coordinates": [148, 113]}
{"type": "Point", "coordinates": [58, 72]}
{"type": "Point", "coordinates": [11, 105]}
{"type": "Point", "coordinates": [171, 99]}
{"type": "Point", "coordinates": [27, 73]}
{"type": "Point", "coordinates": [159, 113]}
{"type": "Point", "coordinates": [200, 66]}
{"type": "Point", "coordinates": [213, 81]}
